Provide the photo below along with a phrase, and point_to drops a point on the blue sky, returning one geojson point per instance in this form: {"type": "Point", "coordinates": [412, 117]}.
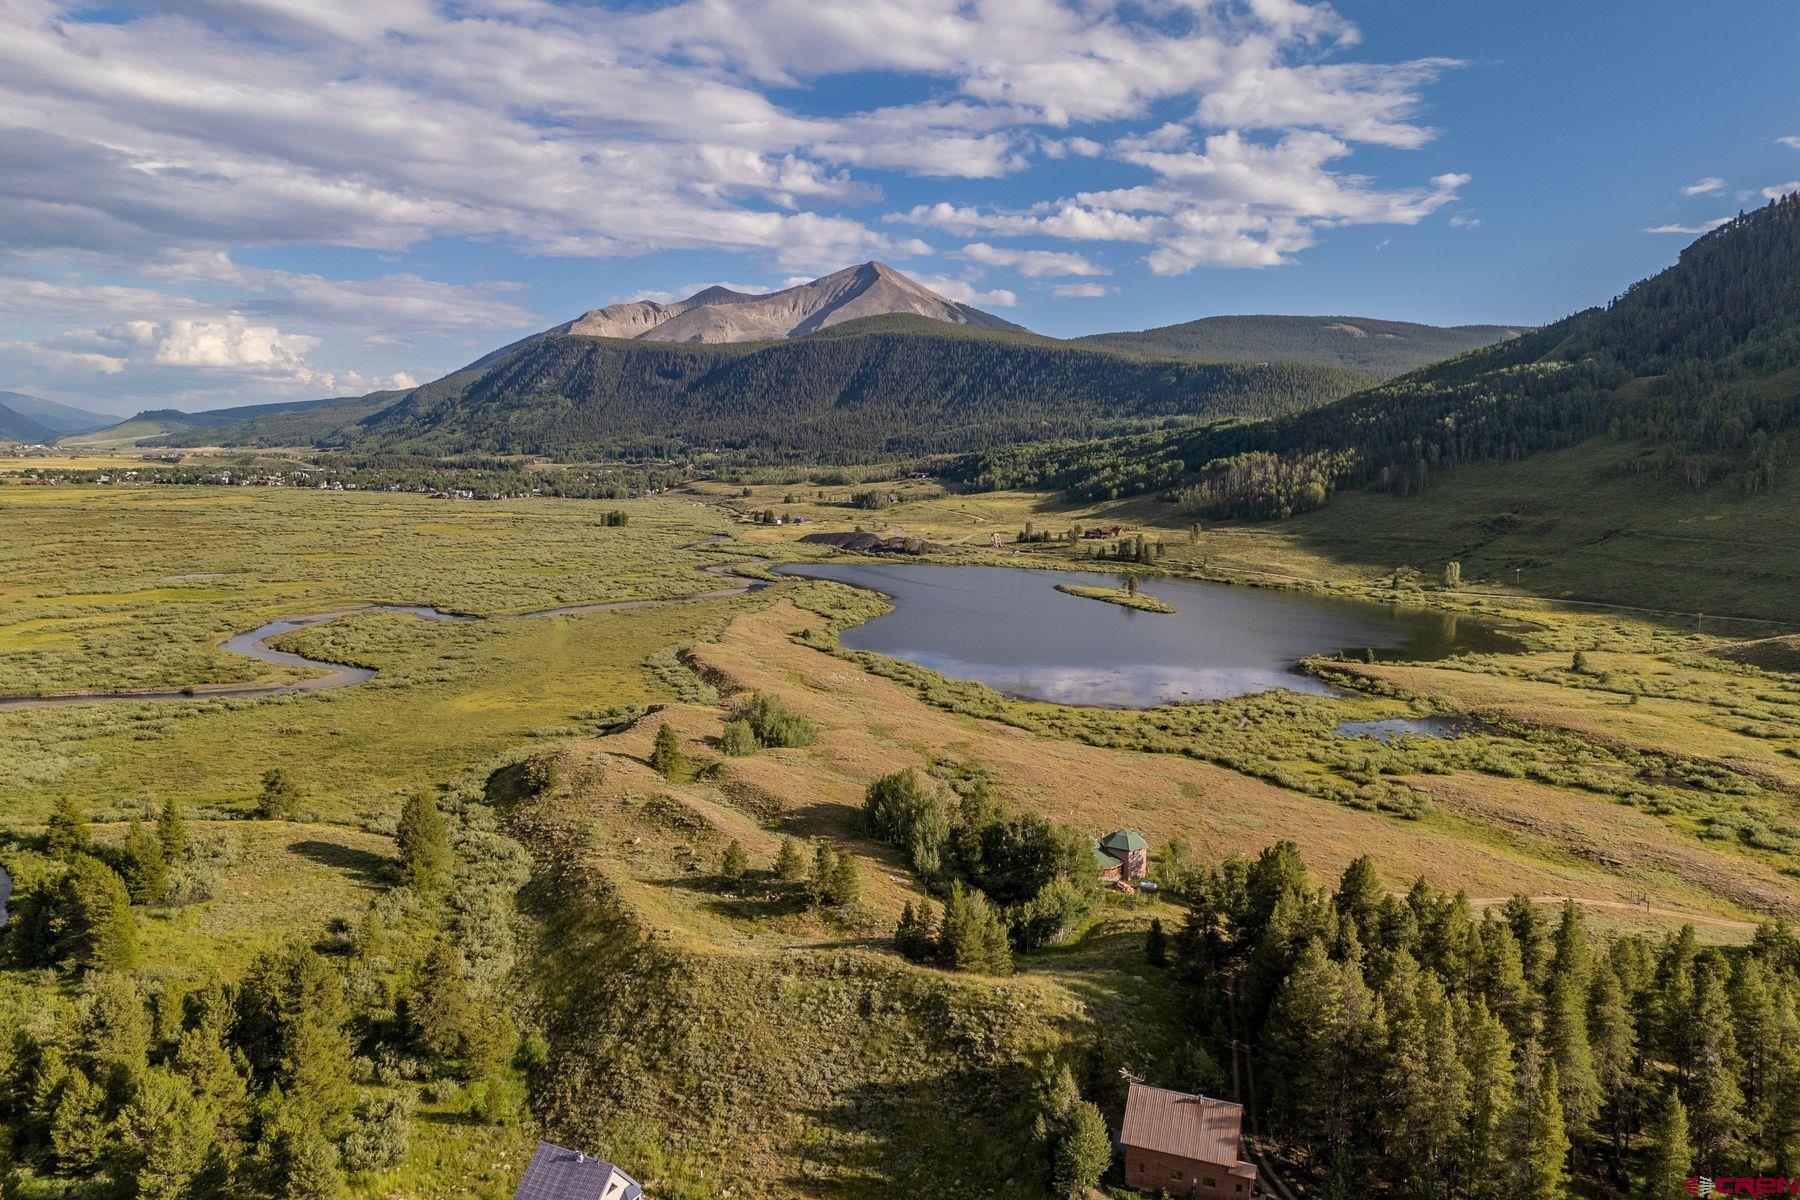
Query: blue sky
{"type": "Point", "coordinates": [220, 202]}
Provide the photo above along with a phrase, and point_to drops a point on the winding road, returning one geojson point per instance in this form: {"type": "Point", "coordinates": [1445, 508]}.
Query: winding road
{"type": "Point", "coordinates": [255, 644]}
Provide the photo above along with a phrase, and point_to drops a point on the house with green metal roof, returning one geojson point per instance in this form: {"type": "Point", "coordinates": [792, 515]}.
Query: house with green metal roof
{"type": "Point", "coordinates": [1129, 852]}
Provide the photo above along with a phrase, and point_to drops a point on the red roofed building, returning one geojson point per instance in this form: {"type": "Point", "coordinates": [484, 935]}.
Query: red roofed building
{"type": "Point", "coordinates": [1185, 1145]}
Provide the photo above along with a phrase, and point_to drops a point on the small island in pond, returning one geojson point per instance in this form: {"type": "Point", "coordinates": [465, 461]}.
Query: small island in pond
{"type": "Point", "coordinates": [1125, 596]}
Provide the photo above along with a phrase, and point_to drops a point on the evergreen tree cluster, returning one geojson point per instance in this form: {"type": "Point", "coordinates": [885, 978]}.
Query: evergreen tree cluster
{"type": "Point", "coordinates": [78, 914]}
{"type": "Point", "coordinates": [1694, 363]}
{"type": "Point", "coordinates": [275, 1085]}
{"type": "Point", "coordinates": [1413, 1046]}
{"type": "Point", "coordinates": [1016, 873]}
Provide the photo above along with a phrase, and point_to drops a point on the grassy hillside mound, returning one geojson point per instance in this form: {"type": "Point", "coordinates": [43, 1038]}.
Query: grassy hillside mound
{"type": "Point", "coordinates": [1379, 348]}
{"type": "Point", "coordinates": [1770, 654]}
{"type": "Point", "coordinates": [726, 1040]}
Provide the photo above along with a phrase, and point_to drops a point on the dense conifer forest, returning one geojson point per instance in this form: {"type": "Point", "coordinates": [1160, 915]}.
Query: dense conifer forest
{"type": "Point", "coordinates": [1698, 363]}
{"type": "Point", "coordinates": [1416, 1046]}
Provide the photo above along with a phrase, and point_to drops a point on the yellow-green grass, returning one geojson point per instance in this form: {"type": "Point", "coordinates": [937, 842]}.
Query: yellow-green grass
{"type": "Point", "coordinates": [1689, 705]}
{"type": "Point", "coordinates": [1585, 524]}
{"type": "Point", "coordinates": [446, 695]}
{"type": "Point", "coordinates": [871, 725]}
{"type": "Point", "coordinates": [276, 880]}
{"type": "Point", "coordinates": [112, 588]}
{"type": "Point", "coordinates": [679, 1005]}
{"type": "Point", "coordinates": [1123, 597]}
{"type": "Point", "coordinates": [94, 461]}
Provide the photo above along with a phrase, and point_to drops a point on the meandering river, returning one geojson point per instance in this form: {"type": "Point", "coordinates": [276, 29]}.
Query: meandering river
{"type": "Point", "coordinates": [1009, 627]}
{"type": "Point", "coordinates": [255, 644]}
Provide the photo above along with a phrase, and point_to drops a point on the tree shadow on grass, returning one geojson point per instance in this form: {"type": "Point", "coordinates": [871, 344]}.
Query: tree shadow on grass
{"type": "Point", "coordinates": [364, 865]}
{"type": "Point", "coordinates": [951, 1132]}
{"type": "Point", "coordinates": [749, 898]}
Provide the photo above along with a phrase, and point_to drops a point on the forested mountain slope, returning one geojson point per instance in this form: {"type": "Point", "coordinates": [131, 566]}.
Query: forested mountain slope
{"type": "Point", "coordinates": [1379, 348]}
{"type": "Point", "coordinates": [1699, 366]}
{"type": "Point", "coordinates": [883, 386]}
{"type": "Point", "coordinates": [16, 427]}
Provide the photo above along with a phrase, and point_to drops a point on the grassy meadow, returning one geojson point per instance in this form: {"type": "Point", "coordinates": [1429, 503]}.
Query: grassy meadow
{"type": "Point", "coordinates": [134, 587]}
{"type": "Point", "coordinates": [1641, 763]}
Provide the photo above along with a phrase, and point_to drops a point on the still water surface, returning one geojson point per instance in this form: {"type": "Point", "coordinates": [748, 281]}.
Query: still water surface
{"type": "Point", "coordinates": [1009, 627]}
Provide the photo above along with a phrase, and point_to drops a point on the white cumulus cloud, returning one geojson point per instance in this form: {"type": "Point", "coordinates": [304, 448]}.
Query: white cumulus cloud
{"type": "Point", "coordinates": [1033, 264]}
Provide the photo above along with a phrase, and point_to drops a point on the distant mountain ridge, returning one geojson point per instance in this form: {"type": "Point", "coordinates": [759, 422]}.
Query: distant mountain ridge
{"type": "Point", "coordinates": [876, 387]}
{"type": "Point", "coordinates": [1380, 348]}
{"type": "Point", "coordinates": [56, 417]}
{"type": "Point", "coordinates": [17, 427]}
{"type": "Point", "coordinates": [718, 314]}
{"type": "Point", "coordinates": [862, 363]}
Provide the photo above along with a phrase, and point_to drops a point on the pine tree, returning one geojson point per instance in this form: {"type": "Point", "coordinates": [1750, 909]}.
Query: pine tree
{"type": "Point", "coordinates": [734, 862]}
{"type": "Point", "coordinates": [290, 1022]}
{"type": "Point", "coordinates": [141, 860]}
{"type": "Point", "coordinates": [67, 835]}
{"type": "Point", "coordinates": [823, 867]}
{"type": "Point", "coordinates": [210, 1072]}
{"type": "Point", "coordinates": [1546, 1163]}
{"type": "Point", "coordinates": [1083, 1151]}
{"type": "Point", "coordinates": [665, 756]}
{"type": "Point", "coordinates": [1156, 944]}
{"type": "Point", "coordinates": [1614, 1042]}
{"type": "Point", "coordinates": [1324, 1050]}
{"type": "Point", "coordinates": [1671, 1160]}
{"type": "Point", "coordinates": [164, 1136]}
{"type": "Point", "coordinates": [438, 1009]}
{"type": "Point", "coordinates": [1482, 1155]}
{"type": "Point", "coordinates": [280, 797]}
{"type": "Point", "coordinates": [972, 936]}
{"type": "Point", "coordinates": [91, 923]}
{"type": "Point", "coordinates": [79, 1133]}
{"type": "Point", "coordinates": [1715, 1099]}
{"type": "Point", "coordinates": [1500, 979]}
{"type": "Point", "coordinates": [1566, 1042]}
{"type": "Point", "coordinates": [738, 739]}
{"type": "Point", "coordinates": [844, 885]}
{"type": "Point", "coordinates": [315, 1063]}
{"type": "Point", "coordinates": [1359, 895]}
{"type": "Point", "coordinates": [114, 1032]}
{"type": "Point", "coordinates": [790, 864]}
{"type": "Point", "coordinates": [424, 843]}
{"type": "Point", "coordinates": [916, 935]}
{"type": "Point", "coordinates": [1429, 1088]}
{"type": "Point", "coordinates": [171, 831]}
{"type": "Point", "coordinates": [1527, 926]}
{"type": "Point", "coordinates": [312, 1169]}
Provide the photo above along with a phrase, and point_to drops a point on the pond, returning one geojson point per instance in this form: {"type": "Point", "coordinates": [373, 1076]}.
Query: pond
{"type": "Point", "coordinates": [1009, 627]}
{"type": "Point", "coordinates": [1392, 729]}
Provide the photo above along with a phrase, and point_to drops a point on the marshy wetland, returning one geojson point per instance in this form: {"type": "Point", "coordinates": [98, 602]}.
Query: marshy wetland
{"type": "Point", "coordinates": [1651, 777]}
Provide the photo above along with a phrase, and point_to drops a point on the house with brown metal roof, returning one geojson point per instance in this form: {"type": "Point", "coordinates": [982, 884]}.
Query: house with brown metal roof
{"type": "Point", "coordinates": [1185, 1145]}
